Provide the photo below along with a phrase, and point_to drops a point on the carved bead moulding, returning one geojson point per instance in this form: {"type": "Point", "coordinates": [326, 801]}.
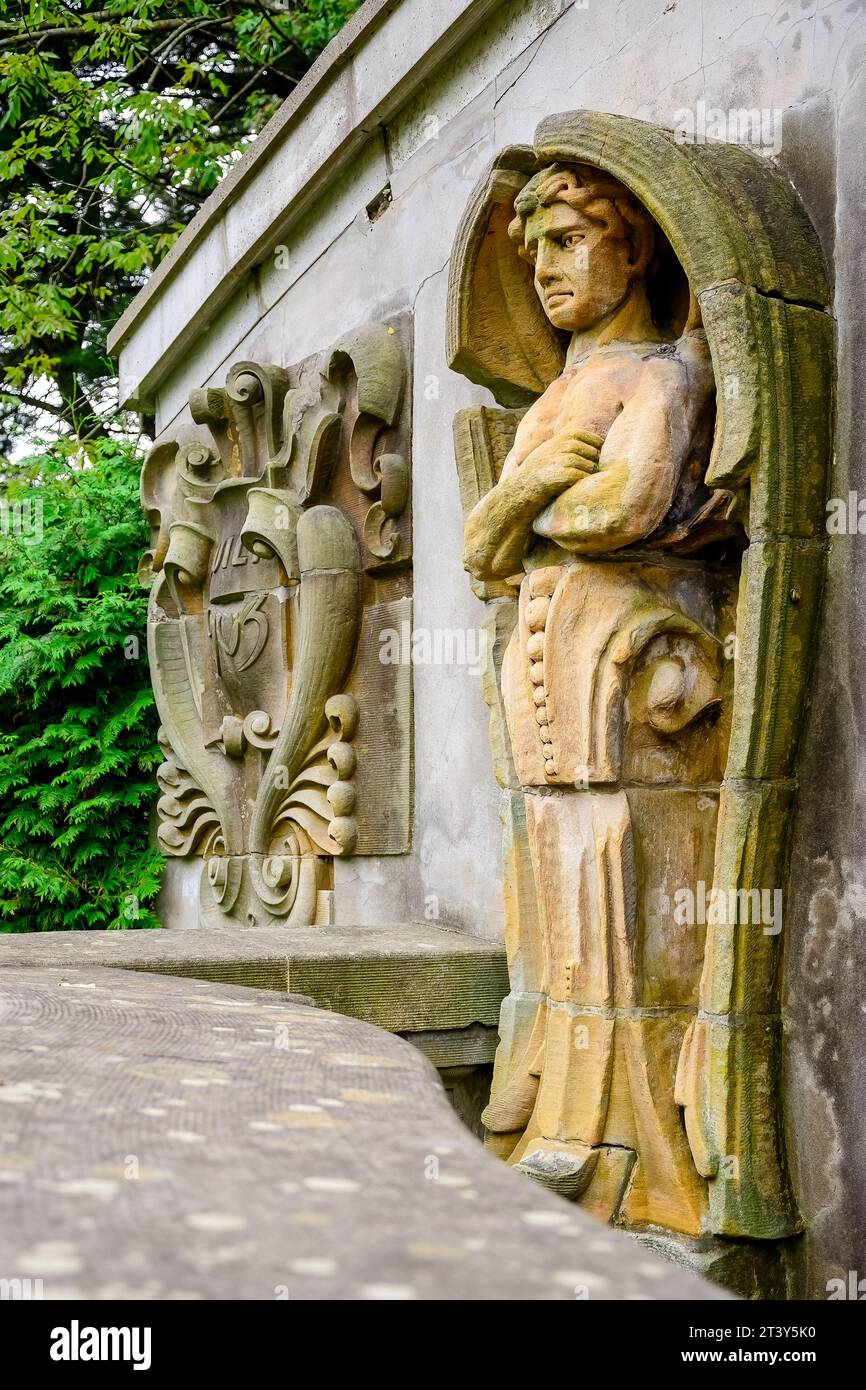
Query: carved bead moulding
{"type": "Point", "coordinates": [280, 550]}
{"type": "Point", "coordinates": [647, 693]}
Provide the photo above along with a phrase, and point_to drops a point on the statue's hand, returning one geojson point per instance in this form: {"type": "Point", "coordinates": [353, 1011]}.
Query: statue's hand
{"type": "Point", "coordinates": [532, 489]}
{"type": "Point", "coordinates": [499, 526]}
{"type": "Point", "coordinates": [574, 450]}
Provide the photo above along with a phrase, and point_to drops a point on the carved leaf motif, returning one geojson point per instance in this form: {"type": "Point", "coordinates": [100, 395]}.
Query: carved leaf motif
{"type": "Point", "coordinates": [189, 824]}
{"type": "Point", "coordinates": [199, 468]}
{"type": "Point", "coordinates": [321, 799]}
{"type": "Point", "coordinates": [250, 384]}
{"type": "Point", "coordinates": [175, 673]}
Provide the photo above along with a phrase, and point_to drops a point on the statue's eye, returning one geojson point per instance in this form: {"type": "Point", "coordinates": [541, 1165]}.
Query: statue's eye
{"type": "Point", "coordinates": [573, 239]}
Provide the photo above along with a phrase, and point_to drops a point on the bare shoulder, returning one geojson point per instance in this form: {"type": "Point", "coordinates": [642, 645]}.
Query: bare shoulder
{"type": "Point", "coordinates": [672, 368]}
{"type": "Point", "coordinates": [689, 356]}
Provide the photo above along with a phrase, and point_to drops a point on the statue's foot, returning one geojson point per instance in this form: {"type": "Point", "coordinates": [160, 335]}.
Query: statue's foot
{"type": "Point", "coordinates": [513, 1106]}
{"type": "Point", "coordinates": [565, 1168]}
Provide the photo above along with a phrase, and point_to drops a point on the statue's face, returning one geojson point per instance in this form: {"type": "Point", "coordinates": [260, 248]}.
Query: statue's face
{"type": "Point", "coordinates": [581, 274]}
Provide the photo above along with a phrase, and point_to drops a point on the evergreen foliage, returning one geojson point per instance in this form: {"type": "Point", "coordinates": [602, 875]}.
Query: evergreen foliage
{"type": "Point", "coordinates": [77, 720]}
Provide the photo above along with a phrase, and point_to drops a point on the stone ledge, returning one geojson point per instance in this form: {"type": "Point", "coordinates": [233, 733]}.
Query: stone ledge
{"type": "Point", "coordinates": [411, 978]}
{"type": "Point", "coordinates": [474, 1046]}
{"type": "Point", "coordinates": [168, 1138]}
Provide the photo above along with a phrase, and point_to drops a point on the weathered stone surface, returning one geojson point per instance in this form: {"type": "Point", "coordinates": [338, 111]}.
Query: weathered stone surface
{"type": "Point", "coordinates": [279, 565]}
{"type": "Point", "coordinates": [429, 116]}
{"type": "Point", "coordinates": [780, 592]}
{"type": "Point", "coordinates": [498, 629]}
{"type": "Point", "coordinates": [458, 1048]}
{"type": "Point", "coordinates": [168, 1139]}
{"type": "Point", "coordinates": [774, 364]}
{"type": "Point", "coordinates": [732, 1127]}
{"type": "Point", "coordinates": [482, 440]}
{"type": "Point", "coordinates": [752, 226]}
{"type": "Point", "coordinates": [407, 978]}
{"type": "Point", "coordinates": [614, 682]}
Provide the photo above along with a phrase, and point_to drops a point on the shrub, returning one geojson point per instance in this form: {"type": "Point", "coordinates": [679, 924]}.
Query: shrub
{"type": "Point", "coordinates": [78, 729]}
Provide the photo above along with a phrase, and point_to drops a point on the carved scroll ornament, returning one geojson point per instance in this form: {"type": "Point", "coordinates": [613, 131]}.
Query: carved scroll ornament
{"type": "Point", "coordinates": [279, 546]}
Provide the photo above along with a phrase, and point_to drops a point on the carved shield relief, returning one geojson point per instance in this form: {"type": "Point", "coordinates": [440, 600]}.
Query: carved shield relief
{"type": "Point", "coordinates": [281, 548]}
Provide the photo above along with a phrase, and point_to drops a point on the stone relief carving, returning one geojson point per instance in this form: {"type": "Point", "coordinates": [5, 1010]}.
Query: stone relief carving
{"type": "Point", "coordinates": [644, 521]}
{"type": "Point", "coordinates": [280, 547]}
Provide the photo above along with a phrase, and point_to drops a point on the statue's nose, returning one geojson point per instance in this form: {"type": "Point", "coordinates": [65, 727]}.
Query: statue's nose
{"type": "Point", "coordinates": [545, 269]}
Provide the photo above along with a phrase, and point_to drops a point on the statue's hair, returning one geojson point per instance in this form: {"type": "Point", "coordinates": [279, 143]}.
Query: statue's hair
{"type": "Point", "coordinates": [589, 191]}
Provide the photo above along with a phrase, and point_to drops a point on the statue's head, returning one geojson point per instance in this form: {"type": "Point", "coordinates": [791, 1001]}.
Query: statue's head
{"type": "Point", "coordinates": [588, 241]}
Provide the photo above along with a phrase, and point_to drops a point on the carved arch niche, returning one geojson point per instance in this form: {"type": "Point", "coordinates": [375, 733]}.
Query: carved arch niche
{"type": "Point", "coordinates": [755, 275]}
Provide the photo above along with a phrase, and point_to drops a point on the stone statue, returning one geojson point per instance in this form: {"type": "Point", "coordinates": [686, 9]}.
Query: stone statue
{"type": "Point", "coordinates": [609, 462]}
{"type": "Point", "coordinates": [636, 880]}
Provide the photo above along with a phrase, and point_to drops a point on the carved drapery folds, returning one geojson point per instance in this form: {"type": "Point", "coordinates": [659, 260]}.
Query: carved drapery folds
{"type": "Point", "coordinates": [281, 547]}
{"type": "Point", "coordinates": [647, 691]}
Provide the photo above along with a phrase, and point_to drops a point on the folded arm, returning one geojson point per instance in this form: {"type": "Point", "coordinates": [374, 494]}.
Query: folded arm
{"type": "Point", "coordinates": [500, 525]}
{"type": "Point", "coordinates": [640, 466]}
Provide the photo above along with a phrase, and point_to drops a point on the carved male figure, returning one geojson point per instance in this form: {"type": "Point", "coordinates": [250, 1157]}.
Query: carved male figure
{"type": "Point", "coordinates": [600, 457]}
{"type": "Point", "coordinates": [614, 687]}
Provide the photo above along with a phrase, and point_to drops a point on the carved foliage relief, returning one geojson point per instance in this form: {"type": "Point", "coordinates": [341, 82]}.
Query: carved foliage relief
{"type": "Point", "coordinates": [281, 546]}
{"type": "Point", "coordinates": [644, 519]}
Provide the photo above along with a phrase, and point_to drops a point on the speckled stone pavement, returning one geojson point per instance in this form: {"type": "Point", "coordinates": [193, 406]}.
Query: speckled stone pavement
{"type": "Point", "coordinates": [168, 1138]}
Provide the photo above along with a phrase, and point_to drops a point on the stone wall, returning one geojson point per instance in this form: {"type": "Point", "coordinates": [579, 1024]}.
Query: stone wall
{"type": "Point", "coordinates": [299, 245]}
